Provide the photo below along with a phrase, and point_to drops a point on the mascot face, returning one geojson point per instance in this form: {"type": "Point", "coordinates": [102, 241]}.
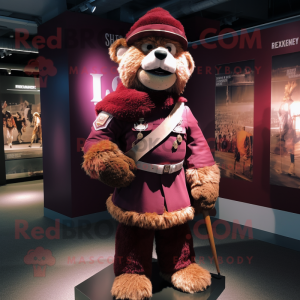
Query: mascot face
{"type": "Point", "coordinates": [154, 63]}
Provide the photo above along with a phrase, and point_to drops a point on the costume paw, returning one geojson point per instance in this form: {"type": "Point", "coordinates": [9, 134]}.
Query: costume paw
{"type": "Point", "coordinates": [132, 286]}
{"type": "Point", "coordinates": [207, 194]}
{"type": "Point", "coordinates": [204, 183]}
{"type": "Point", "coordinates": [191, 279]}
{"type": "Point", "coordinates": [104, 161]}
{"type": "Point", "coordinates": [117, 172]}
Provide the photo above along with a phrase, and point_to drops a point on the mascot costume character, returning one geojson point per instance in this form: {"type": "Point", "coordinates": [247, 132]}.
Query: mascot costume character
{"type": "Point", "coordinates": [146, 143]}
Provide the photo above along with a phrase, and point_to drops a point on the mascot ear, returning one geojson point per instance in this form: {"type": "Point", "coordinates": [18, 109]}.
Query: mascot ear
{"type": "Point", "coordinates": [117, 49]}
{"type": "Point", "coordinates": [190, 62]}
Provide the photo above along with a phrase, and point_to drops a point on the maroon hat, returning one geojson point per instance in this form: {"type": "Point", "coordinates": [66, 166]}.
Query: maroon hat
{"type": "Point", "coordinates": [157, 22]}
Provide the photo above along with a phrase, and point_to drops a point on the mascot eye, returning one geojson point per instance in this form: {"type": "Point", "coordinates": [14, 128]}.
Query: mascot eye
{"type": "Point", "coordinates": [171, 48]}
{"type": "Point", "coordinates": [147, 47]}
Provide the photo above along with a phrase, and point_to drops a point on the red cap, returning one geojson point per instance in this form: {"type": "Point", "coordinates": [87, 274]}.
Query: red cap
{"type": "Point", "coordinates": [157, 22]}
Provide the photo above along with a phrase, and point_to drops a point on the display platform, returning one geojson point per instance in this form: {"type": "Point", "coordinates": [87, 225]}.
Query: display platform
{"type": "Point", "coordinates": [98, 287]}
{"type": "Point", "coordinates": [22, 151]}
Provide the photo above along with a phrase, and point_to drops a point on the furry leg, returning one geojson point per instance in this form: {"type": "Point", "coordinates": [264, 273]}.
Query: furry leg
{"type": "Point", "coordinates": [174, 248]}
{"type": "Point", "coordinates": [133, 263]}
{"type": "Point", "coordinates": [176, 258]}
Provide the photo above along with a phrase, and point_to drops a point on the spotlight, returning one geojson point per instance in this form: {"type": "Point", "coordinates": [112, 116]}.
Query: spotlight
{"type": "Point", "coordinates": [85, 5]}
{"type": "Point", "coordinates": [91, 7]}
{"type": "Point", "coordinates": [9, 71]}
{"type": "Point", "coordinates": [83, 8]}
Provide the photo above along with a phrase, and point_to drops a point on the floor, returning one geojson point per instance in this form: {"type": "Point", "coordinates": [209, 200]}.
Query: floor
{"type": "Point", "coordinates": [253, 269]}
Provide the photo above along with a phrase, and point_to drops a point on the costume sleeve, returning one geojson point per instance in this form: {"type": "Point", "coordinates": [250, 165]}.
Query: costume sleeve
{"type": "Point", "coordinates": [202, 174]}
{"type": "Point", "coordinates": [103, 159]}
{"type": "Point", "coordinates": [198, 154]}
{"type": "Point", "coordinates": [108, 132]}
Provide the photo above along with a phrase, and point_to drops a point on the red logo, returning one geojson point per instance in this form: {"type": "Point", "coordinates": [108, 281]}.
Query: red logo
{"type": "Point", "coordinates": [39, 258]}
{"type": "Point", "coordinates": [42, 67]}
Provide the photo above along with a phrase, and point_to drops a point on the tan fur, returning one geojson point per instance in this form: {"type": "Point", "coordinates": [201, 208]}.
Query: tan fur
{"type": "Point", "coordinates": [114, 48]}
{"type": "Point", "coordinates": [200, 176]}
{"type": "Point", "coordinates": [150, 220]}
{"type": "Point", "coordinates": [129, 66]}
{"type": "Point", "coordinates": [204, 183]}
{"type": "Point", "coordinates": [190, 60]}
{"type": "Point", "coordinates": [132, 286]}
{"type": "Point", "coordinates": [183, 71]}
{"type": "Point", "coordinates": [191, 279]}
{"type": "Point", "coordinates": [130, 62]}
{"type": "Point", "coordinates": [104, 161]}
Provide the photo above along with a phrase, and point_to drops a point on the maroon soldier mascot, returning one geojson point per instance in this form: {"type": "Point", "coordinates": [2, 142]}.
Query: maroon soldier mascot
{"type": "Point", "coordinates": [146, 143]}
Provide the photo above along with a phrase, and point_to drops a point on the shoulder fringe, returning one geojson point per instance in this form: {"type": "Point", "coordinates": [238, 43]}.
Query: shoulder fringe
{"type": "Point", "coordinates": [198, 177]}
{"type": "Point", "coordinates": [150, 220]}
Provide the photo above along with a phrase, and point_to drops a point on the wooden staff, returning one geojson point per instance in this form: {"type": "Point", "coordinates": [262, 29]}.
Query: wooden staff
{"type": "Point", "coordinates": [211, 239]}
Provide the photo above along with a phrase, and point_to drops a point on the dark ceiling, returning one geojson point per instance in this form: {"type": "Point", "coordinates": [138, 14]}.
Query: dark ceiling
{"type": "Point", "coordinates": [194, 14]}
{"type": "Point", "coordinates": [234, 14]}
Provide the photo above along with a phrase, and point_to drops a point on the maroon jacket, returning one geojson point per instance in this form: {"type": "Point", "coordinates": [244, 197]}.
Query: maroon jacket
{"type": "Point", "coordinates": [150, 192]}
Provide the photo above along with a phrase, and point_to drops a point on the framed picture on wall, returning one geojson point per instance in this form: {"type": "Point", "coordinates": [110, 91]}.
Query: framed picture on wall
{"type": "Point", "coordinates": [22, 128]}
{"type": "Point", "coordinates": [234, 119]}
{"type": "Point", "coordinates": [285, 121]}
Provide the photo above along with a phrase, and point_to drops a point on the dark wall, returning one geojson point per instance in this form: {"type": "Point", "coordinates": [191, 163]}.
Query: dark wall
{"type": "Point", "coordinates": [67, 110]}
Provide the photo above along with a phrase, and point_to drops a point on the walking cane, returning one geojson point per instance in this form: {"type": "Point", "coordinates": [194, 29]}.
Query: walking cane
{"type": "Point", "coordinates": [295, 134]}
{"type": "Point", "coordinates": [211, 239]}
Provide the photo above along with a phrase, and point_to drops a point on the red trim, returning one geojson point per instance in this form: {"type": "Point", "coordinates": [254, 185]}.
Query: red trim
{"type": "Point", "coordinates": [158, 30]}
{"type": "Point", "coordinates": [129, 104]}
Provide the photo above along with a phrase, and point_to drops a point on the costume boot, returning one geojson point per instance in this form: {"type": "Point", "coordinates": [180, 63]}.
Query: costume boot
{"type": "Point", "coordinates": [191, 279]}
{"type": "Point", "coordinates": [132, 286]}
{"type": "Point", "coordinates": [176, 259]}
{"type": "Point", "coordinates": [133, 263]}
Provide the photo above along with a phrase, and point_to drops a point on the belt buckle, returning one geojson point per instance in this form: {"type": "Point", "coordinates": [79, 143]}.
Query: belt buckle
{"type": "Point", "coordinates": [167, 169]}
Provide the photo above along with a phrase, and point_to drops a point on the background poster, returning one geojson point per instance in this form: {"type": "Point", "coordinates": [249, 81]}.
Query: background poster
{"type": "Point", "coordinates": [21, 96]}
{"type": "Point", "coordinates": [21, 99]}
{"type": "Point", "coordinates": [285, 121]}
{"type": "Point", "coordinates": [234, 119]}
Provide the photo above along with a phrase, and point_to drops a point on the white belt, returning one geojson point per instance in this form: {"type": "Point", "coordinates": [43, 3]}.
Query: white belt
{"type": "Point", "coordinates": [159, 169]}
